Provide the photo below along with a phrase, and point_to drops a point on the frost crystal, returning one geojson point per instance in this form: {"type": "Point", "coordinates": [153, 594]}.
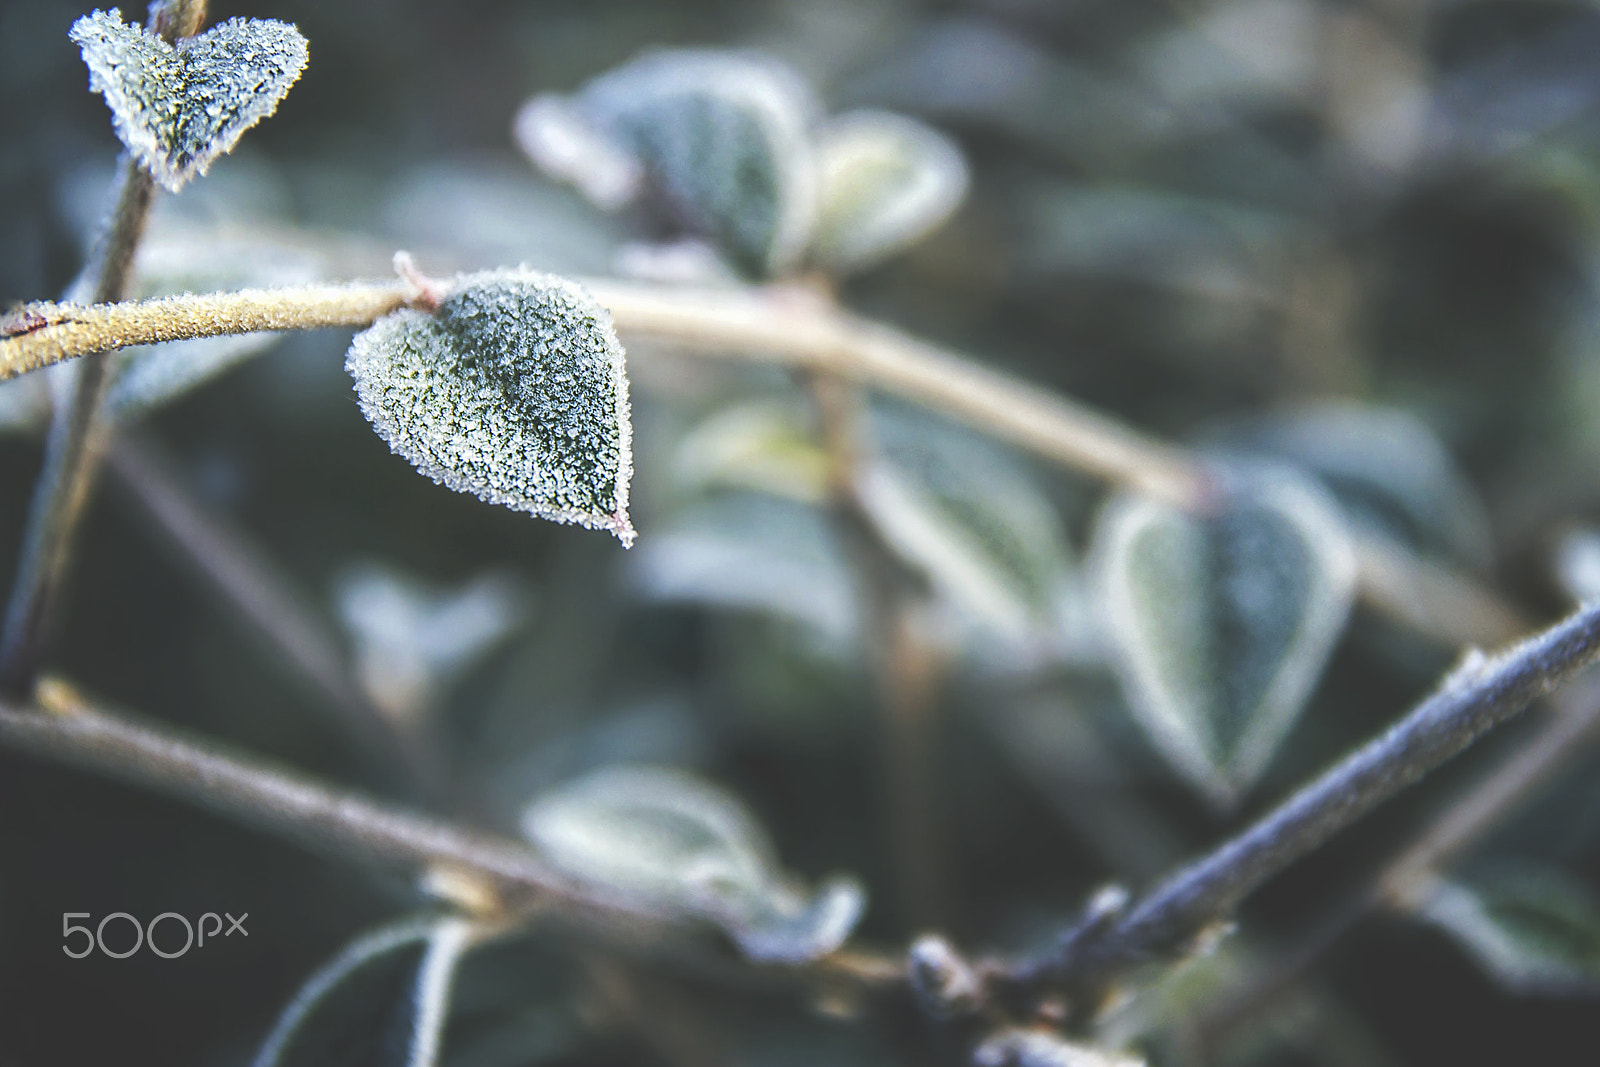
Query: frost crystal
{"type": "Point", "coordinates": [514, 389]}
{"type": "Point", "coordinates": [178, 108]}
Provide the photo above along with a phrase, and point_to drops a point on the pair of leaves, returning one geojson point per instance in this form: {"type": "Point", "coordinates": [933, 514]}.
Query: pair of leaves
{"type": "Point", "coordinates": [730, 142]}
{"type": "Point", "coordinates": [1221, 622]}
{"type": "Point", "coordinates": [1535, 930]}
{"type": "Point", "coordinates": [382, 1002]}
{"type": "Point", "coordinates": [514, 389]}
{"type": "Point", "coordinates": [178, 107]}
{"type": "Point", "coordinates": [663, 839]}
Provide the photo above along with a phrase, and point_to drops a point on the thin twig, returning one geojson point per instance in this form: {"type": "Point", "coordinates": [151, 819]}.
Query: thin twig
{"type": "Point", "coordinates": [1461, 823]}
{"type": "Point", "coordinates": [265, 599]}
{"type": "Point", "coordinates": [795, 329]}
{"type": "Point", "coordinates": [76, 433]}
{"type": "Point", "coordinates": [1472, 701]}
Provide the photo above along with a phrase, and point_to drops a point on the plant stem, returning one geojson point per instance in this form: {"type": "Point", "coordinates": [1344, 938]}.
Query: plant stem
{"type": "Point", "coordinates": [265, 598]}
{"type": "Point", "coordinates": [1460, 824]}
{"type": "Point", "coordinates": [1472, 701]}
{"type": "Point", "coordinates": [792, 328]}
{"type": "Point", "coordinates": [76, 434]}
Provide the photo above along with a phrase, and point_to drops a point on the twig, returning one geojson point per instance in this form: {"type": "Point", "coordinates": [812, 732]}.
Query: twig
{"type": "Point", "coordinates": [1461, 823]}
{"type": "Point", "coordinates": [1472, 701]}
{"type": "Point", "coordinates": [346, 824]}
{"type": "Point", "coordinates": [235, 568]}
{"type": "Point", "coordinates": [76, 433]}
{"type": "Point", "coordinates": [792, 329]}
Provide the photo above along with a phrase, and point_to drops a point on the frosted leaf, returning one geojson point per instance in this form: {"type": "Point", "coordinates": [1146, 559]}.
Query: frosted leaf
{"type": "Point", "coordinates": [382, 1001]}
{"type": "Point", "coordinates": [514, 389]}
{"type": "Point", "coordinates": [1385, 467]}
{"type": "Point", "coordinates": [971, 518]}
{"type": "Point", "coordinates": [665, 839]}
{"type": "Point", "coordinates": [410, 639]}
{"type": "Point", "coordinates": [722, 137]}
{"type": "Point", "coordinates": [1535, 930]}
{"type": "Point", "coordinates": [886, 181]}
{"type": "Point", "coordinates": [178, 107]}
{"type": "Point", "coordinates": [1221, 623]}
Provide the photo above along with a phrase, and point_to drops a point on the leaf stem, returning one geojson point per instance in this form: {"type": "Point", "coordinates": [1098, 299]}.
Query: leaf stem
{"type": "Point", "coordinates": [796, 329]}
{"type": "Point", "coordinates": [1475, 699]}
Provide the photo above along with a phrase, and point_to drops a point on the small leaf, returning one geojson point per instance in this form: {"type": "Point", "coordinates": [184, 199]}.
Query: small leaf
{"type": "Point", "coordinates": [1535, 930]}
{"type": "Point", "coordinates": [382, 1002]}
{"type": "Point", "coordinates": [886, 181]}
{"type": "Point", "coordinates": [1221, 623]}
{"type": "Point", "coordinates": [1020, 1047]}
{"type": "Point", "coordinates": [662, 838]}
{"type": "Point", "coordinates": [179, 107]}
{"type": "Point", "coordinates": [754, 553]}
{"type": "Point", "coordinates": [514, 389]}
{"type": "Point", "coordinates": [411, 639]}
{"type": "Point", "coordinates": [766, 445]}
{"type": "Point", "coordinates": [1385, 467]}
{"type": "Point", "coordinates": [970, 516]}
{"type": "Point", "coordinates": [723, 137]}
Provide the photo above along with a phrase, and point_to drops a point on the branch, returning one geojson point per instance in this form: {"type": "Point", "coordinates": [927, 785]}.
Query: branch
{"type": "Point", "coordinates": [790, 328]}
{"type": "Point", "coordinates": [509, 876]}
{"type": "Point", "coordinates": [1476, 698]}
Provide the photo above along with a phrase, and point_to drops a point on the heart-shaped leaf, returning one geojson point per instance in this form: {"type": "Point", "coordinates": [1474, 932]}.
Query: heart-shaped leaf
{"type": "Point", "coordinates": [667, 840]}
{"type": "Point", "coordinates": [178, 107]}
{"type": "Point", "coordinates": [382, 1002]}
{"type": "Point", "coordinates": [723, 137]}
{"type": "Point", "coordinates": [513, 389]}
{"type": "Point", "coordinates": [886, 180]}
{"type": "Point", "coordinates": [1221, 623]}
{"type": "Point", "coordinates": [1535, 930]}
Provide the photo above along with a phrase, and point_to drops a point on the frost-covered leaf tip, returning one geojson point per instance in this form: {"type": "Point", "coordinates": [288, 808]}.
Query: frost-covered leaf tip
{"type": "Point", "coordinates": [513, 389]}
{"type": "Point", "coordinates": [179, 107]}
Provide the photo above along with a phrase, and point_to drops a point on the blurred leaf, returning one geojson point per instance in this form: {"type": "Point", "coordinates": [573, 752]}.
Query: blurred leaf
{"type": "Point", "coordinates": [411, 639]}
{"type": "Point", "coordinates": [665, 839]}
{"type": "Point", "coordinates": [514, 389]}
{"type": "Point", "coordinates": [767, 445]}
{"type": "Point", "coordinates": [1578, 564]}
{"type": "Point", "coordinates": [382, 1002]}
{"type": "Point", "coordinates": [724, 137]}
{"type": "Point", "coordinates": [970, 516]}
{"type": "Point", "coordinates": [178, 108]}
{"type": "Point", "coordinates": [1385, 467]}
{"type": "Point", "coordinates": [1019, 1047]}
{"type": "Point", "coordinates": [1535, 930]}
{"type": "Point", "coordinates": [886, 181]}
{"type": "Point", "coordinates": [753, 553]}
{"type": "Point", "coordinates": [1223, 621]}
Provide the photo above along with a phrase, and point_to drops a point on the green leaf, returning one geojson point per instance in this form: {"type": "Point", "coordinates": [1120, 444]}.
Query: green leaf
{"type": "Point", "coordinates": [1222, 622]}
{"type": "Point", "coordinates": [1026, 1047]}
{"type": "Point", "coordinates": [382, 1002]}
{"type": "Point", "coordinates": [723, 137]}
{"type": "Point", "coordinates": [971, 517]}
{"type": "Point", "coordinates": [664, 839]}
{"type": "Point", "coordinates": [1533, 929]}
{"type": "Point", "coordinates": [767, 445]}
{"type": "Point", "coordinates": [1386, 468]}
{"type": "Point", "coordinates": [179, 107]}
{"type": "Point", "coordinates": [514, 389]}
{"type": "Point", "coordinates": [886, 181]}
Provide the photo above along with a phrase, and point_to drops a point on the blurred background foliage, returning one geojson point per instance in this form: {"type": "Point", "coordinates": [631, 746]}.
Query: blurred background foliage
{"type": "Point", "coordinates": [1199, 216]}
